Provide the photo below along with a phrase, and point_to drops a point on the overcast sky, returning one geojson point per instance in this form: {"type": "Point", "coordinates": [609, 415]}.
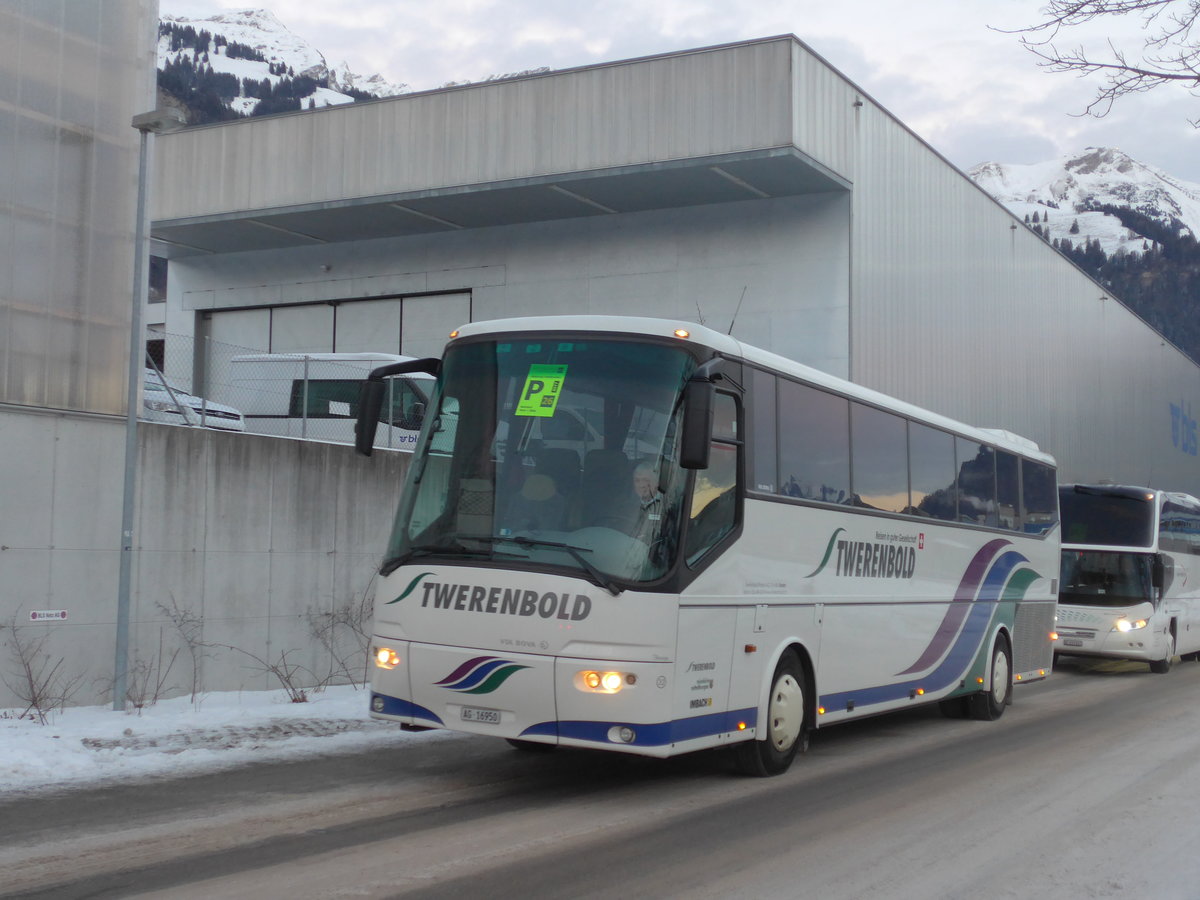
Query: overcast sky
{"type": "Point", "coordinates": [970, 91]}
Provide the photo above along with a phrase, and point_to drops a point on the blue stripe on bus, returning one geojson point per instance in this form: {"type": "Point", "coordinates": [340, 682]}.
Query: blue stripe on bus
{"type": "Point", "coordinates": [656, 734]}
{"type": "Point", "coordinates": [961, 654]}
{"type": "Point", "coordinates": [394, 706]}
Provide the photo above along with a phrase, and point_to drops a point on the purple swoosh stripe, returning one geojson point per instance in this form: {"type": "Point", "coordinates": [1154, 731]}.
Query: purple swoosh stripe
{"type": "Point", "coordinates": [957, 611]}
{"type": "Point", "coordinates": [464, 669]}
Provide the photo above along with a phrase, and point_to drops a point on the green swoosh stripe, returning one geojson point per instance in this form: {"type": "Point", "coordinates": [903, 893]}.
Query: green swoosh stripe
{"type": "Point", "coordinates": [828, 553]}
{"type": "Point", "coordinates": [496, 679]}
{"type": "Point", "coordinates": [412, 586]}
{"type": "Point", "coordinates": [1019, 583]}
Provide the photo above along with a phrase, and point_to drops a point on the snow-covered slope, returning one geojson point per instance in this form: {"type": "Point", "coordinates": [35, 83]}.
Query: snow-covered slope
{"type": "Point", "coordinates": [1066, 191]}
{"type": "Point", "coordinates": [283, 50]}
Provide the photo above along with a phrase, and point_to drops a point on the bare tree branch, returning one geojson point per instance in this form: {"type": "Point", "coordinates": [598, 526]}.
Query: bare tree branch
{"type": "Point", "coordinates": [1170, 52]}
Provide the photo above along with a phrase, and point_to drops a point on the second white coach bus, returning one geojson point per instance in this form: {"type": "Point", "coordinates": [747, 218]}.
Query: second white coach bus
{"type": "Point", "coordinates": [753, 550]}
{"type": "Point", "coordinates": [1130, 574]}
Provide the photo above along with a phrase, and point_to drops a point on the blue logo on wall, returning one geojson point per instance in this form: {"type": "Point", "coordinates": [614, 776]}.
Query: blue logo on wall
{"type": "Point", "coordinates": [1183, 429]}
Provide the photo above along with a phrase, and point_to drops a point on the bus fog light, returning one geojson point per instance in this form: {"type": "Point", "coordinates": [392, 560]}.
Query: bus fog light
{"type": "Point", "coordinates": [386, 658]}
{"type": "Point", "coordinates": [377, 703]}
{"type": "Point", "coordinates": [622, 734]}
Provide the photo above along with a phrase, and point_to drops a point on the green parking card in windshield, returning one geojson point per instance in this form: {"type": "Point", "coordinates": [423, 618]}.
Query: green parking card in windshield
{"type": "Point", "coordinates": [543, 386]}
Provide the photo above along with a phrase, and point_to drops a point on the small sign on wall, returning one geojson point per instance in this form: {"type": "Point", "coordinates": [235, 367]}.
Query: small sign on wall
{"type": "Point", "coordinates": [47, 615]}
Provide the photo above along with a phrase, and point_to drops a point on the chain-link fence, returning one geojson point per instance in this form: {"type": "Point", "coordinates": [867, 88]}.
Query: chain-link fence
{"type": "Point", "coordinates": [309, 396]}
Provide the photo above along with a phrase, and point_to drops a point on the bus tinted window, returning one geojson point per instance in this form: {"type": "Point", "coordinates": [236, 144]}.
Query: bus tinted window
{"type": "Point", "coordinates": [1097, 516]}
{"type": "Point", "coordinates": [1008, 490]}
{"type": "Point", "coordinates": [814, 438]}
{"type": "Point", "coordinates": [931, 462]}
{"type": "Point", "coordinates": [1039, 487]}
{"type": "Point", "coordinates": [763, 446]}
{"type": "Point", "coordinates": [1179, 528]}
{"type": "Point", "coordinates": [879, 459]}
{"type": "Point", "coordinates": [976, 483]}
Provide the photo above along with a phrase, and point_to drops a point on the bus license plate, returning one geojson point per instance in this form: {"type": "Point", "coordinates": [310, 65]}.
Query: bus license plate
{"type": "Point", "coordinates": [1072, 642]}
{"type": "Point", "coordinates": [475, 714]}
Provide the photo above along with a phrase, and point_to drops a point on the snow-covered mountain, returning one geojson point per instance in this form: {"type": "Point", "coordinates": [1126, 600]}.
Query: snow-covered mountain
{"type": "Point", "coordinates": [276, 55]}
{"type": "Point", "coordinates": [1067, 195]}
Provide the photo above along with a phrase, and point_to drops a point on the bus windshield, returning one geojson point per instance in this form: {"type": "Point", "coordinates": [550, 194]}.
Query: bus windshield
{"type": "Point", "coordinates": [550, 452]}
{"type": "Point", "coordinates": [1116, 517]}
{"type": "Point", "coordinates": [1106, 578]}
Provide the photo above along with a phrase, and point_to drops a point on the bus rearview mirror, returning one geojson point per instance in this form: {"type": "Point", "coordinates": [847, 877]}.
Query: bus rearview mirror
{"type": "Point", "coordinates": [697, 424]}
{"type": "Point", "coordinates": [370, 403]}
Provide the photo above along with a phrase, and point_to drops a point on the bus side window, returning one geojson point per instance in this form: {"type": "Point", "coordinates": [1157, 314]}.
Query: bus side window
{"type": "Point", "coordinates": [1008, 490]}
{"type": "Point", "coordinates": [814, 444]}
{"type": "Point", "coordinates": [976, 483]}
{"type": "Point", "coordinates": [932, 475]}
{"type": "Point", "coordinates": [1039, 497]}
{"type": "Point", "coordinates": [761, 461]}
{"type": "Point", "coordinates": [714, 494]}
{"type": "Point", "coordinates": [878, 459]}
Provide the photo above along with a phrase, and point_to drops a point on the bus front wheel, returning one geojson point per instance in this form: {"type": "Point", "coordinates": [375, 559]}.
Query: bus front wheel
{"type": "Point", "coordinates": [989, 705]}
{"type": "Point", "coordinates": [1163, 666]}
{"type": "Point", "coordinates": [786, 728]}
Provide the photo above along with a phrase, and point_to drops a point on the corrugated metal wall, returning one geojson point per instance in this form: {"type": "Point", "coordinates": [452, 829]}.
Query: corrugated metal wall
{"type": "Point", "coordinates": [667, 108]}
{"type": "Point", "coordinates": [73, 76]}
{"type": "Point", "coordinates": [959, 307]}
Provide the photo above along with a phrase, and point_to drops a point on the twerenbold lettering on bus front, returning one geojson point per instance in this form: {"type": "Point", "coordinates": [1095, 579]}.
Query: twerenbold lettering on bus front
{"type": "Point", "coordinates": [506, 601]}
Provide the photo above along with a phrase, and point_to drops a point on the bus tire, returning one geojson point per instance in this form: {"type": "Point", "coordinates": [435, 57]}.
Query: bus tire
{"type": "Point", "coordinates": [989, 705]}
{"type": "Point", "coordinates": [786, 727]}
{"type": "Point", "coordinates": [531, 746]}
{"type": "Point", "coordinates": [1163, 666]}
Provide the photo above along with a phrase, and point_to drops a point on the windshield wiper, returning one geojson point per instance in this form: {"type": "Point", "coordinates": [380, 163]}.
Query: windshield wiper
{"type": "Point", "coordinates": [576, 553]}
{"type": "Point", "coordinates": [396, 562]}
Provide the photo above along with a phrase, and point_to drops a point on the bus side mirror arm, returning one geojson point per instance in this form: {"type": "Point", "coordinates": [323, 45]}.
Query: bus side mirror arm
{"type": "Point", "coordinates": [371, 396]}
{"type": "Point", "coordinates": [698, 395]}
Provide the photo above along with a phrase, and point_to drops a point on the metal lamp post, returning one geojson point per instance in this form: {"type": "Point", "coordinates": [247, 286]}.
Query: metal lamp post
{"type": "Point", "coordinates": [160, 121]}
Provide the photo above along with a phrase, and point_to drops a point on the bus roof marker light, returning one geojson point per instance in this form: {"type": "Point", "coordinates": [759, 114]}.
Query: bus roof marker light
{"type": "Point", "coordinates": [454, 334]}
{"type": "Point", "coordinates": [682, 333]}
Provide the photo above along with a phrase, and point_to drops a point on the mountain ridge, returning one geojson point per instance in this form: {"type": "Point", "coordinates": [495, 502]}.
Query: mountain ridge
{"type": "Point", "coordinates": [1129, 225]}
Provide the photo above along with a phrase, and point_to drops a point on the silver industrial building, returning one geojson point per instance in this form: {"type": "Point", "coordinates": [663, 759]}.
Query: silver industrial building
{"type": "Point", "coordinates": [748, 186]}
{"type": "Point", "coordinates": [749, 178]}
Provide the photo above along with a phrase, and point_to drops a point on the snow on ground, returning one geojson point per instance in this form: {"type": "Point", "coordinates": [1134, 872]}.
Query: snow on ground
{"type": "Point", "coordinates": [86, 746]}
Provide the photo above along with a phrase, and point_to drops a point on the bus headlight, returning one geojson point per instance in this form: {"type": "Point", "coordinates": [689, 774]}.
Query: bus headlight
{"type": "Point", "coordinates": [591, 681]}
{"type": "Point", "coordinates": [1124, 625]}
{"type": "Point", "coordinates": [386, 658]}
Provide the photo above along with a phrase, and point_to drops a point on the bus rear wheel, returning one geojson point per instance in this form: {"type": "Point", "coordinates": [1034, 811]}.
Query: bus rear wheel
{"type": "Point", "coordinates": [989, 705]}
{"type": "Point", "coordinates": [786, 727]}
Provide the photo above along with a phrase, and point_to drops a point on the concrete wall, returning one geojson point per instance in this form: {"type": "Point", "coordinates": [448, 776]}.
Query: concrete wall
{"type": "Point", "coordinates": [257, 538]}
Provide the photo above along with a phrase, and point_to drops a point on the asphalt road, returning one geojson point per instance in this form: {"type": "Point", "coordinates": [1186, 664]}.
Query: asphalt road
{"type": "Point", "coordinates": [1089, 786]}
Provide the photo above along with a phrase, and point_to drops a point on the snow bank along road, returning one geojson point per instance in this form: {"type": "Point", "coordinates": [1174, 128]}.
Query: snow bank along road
{"type": "Point", "coordinates": [1088, 787]}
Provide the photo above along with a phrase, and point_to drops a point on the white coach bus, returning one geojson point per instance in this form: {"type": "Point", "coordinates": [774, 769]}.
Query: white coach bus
{"type": "Point", "coordinates": [1130, 575]}
{"type": "Point", "coordinates": [756, 549]}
